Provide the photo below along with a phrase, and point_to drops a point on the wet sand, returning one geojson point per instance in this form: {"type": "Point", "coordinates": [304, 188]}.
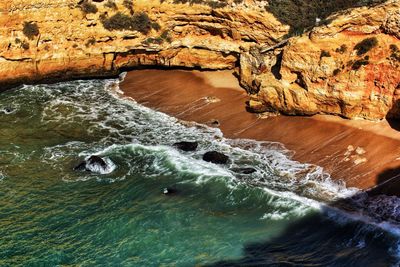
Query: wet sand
{"type": "Point", "coordinates": [362, 153]}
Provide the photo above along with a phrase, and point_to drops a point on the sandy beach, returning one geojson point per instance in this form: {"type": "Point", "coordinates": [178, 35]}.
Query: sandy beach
{"type": "Point", "coordinates": [361, 153]}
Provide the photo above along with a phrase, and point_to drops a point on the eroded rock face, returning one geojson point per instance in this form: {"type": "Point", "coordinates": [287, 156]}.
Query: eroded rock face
{"type": "Point", "coordinates": [73, 42]}
{"type": "Point", "coordinates": [320, 71]}
{"type": "Point", "coordinates": [349, 67]}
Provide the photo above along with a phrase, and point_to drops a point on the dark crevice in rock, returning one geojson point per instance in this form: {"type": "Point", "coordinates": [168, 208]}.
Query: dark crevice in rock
{"type": "Point", "coordinates": [255, 87]}
{"type": "Point", "coordinates": [266, 49]}
{"type": "Point", "coordinates": [276, 69]}
{"type": "Point", "coordinates": [17, 59]}
{"type": "Point", "coordinates": [300, 80]}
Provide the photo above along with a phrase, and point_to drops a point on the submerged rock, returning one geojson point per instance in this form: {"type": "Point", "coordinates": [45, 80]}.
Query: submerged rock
{"type": "Point", "coordinates": [8, 110]}
{"type": "Point", "coordinates": [186, 146]}
{"type": "Point", "coordinates": [170, 191]}
{"type": "Point", "coordinates": [215, 157]}
{"type": "Point", "coordinates": [93, 160]}
{"type": "Point", "coordinates": [81, 166]}
{"type": "Point", "coordinates": [94, 164]}
{"type": "Point", "coordinates": [244, 170]}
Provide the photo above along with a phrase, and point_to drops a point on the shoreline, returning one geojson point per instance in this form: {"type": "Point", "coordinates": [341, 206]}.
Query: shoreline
{"type": "Point", "coordinates": [358, 152]}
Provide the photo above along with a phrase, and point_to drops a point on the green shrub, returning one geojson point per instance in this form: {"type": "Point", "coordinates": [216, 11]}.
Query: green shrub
{"type": "Point", "coordinates": [118, 21]}
{"type": "Point", "coordinates": [395, 56]}
{"type": "Point", "coordinates": [336, 72]}
{"type": "Point", "coordinates": [361, 62]}
{"type": "Point", "coordinates": [155, 26]}
{"type": "Point", "coordinates": [210, 3]}
{"type": "Point", "coordinates": [111, 4]}
{"type": "Point", "coordinates": [181, 1]}
{"type": "Point", "coordinates": [90, 42]}
{"type": "Point", "coordinates": [395, 53]}
{"type": "Point", "coordinates": [302, 14]}
{"type": "Point", "coordinates": [151, 40]}
{"type": "Point", "coordinates": [324, 54]}
{"type": "Point", "coordinates": [25, 45]}
{"type": "Point", "coordinates": [88, 7]}
{"type": "Point", "coordinates": [216, 4]}
{"type": "Point", "coordinates": [128, 4]}
{"type": "Point", "coordinates": [141, 22]}
{"type": "Point", "coordinates": [30, 29]}
{"type": "Point", "coordinates": [365, 45]}
{"type": "Point", "coordinates": [394, 48]}
{"type": "Point", "coordinates": [138, 22]}
{"type": "Point", "coordinates": [103, 16]}
{"type": "Point", "coordinates": [165, 36]}
{"type": "Point", "coordinates": [342, 49]}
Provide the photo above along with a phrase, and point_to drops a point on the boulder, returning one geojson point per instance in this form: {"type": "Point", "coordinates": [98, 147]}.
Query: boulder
{"type": "Point", "coordinates": [96, 160]}
{"type": "Point", "coordinates": [215, 157]}
{"type": "Point", "coordinates": [186, 146]}
{"type": "Point", "coordinates": [244, 170]}
{"type": "Point", "coordinates": [213, 123]}
{"type": "Point", "coordinates": [92, 164]}
{"type": "Point", "coordinates": [170, 191]}
{"type": "Point", "coordinates": [8, 110]}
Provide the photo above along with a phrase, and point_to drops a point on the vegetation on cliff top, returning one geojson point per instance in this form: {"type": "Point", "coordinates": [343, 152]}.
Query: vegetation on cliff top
{"type": "Point", "coordinates": [365, 45]}
{"type": "Point", "coordinates": [111, 4]}
{"type": "Point", "coordinates": [342, 49]}
{"type": "Point", "coordinates": [137, 22]}
{"type": "Point", "coordinates": [299, 14]}
{"type": "Point", "coordinates": [128, 4]}
{"type": "Point", "coordinates": [324, 53]}
{"type": "Point", "coordinates": [395, 56]}
{"type": "Point", "coordinates": [359, 63]}
{"type": "Point", "coordinates": [395, 52]}
{"type": "Point", "coordinates": [88, 7]}
{"type": "Point", "coordinates": [303, 14]}
{"type": "Point", "coordinates": [30, 29]}
{"type": "Point", "coordinates": [23, 44]}
{"type": "Point", "coordinates": [210, 3]}
{"type": "Point", "coordinates": [164, 37]}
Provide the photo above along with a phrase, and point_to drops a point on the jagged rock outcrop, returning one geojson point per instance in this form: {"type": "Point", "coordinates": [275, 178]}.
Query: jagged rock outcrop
{"type": "Point", "coordinates": [349, 67]}
{"type": "Point", "coordinates": [320, 71]}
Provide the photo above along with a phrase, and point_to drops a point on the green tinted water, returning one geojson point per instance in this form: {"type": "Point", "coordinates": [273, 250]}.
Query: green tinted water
{"type": "Point", "coordinates": [51, 215]}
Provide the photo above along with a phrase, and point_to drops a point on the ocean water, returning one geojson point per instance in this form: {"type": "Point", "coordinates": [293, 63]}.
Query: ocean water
{"type": "Point", "coordinates": [284, 214]}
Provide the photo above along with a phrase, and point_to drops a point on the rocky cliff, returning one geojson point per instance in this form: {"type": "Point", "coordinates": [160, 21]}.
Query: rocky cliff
{"type": "Point", "coordinates": [296, 57]}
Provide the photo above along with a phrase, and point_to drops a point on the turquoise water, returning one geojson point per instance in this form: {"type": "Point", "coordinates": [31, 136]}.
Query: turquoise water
{"type": "Point", "coordinates": [51, 215]}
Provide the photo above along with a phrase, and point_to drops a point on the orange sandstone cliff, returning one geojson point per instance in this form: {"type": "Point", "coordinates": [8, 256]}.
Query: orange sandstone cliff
{"type": "Point", "coordinates": [295, 57]}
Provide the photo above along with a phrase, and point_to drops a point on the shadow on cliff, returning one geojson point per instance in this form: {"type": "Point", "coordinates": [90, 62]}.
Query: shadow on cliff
{"type": "Point", "coordinates": [301, 15]}
{"type": "Point", "coordinates": [326, 238]}
{"type": "Point", "coordinates": [392, 115]}
{"type": "Point", "coordinates": [394, 123]}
